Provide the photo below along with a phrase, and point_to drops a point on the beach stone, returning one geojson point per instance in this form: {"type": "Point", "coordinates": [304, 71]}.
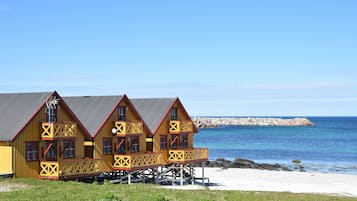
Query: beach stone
{"type": "Point", "coordinates": [242, 163]}
{"type": "Point", "coordinates": [297, 161]}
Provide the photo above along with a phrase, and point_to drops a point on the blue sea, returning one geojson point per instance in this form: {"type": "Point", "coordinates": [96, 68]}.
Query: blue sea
{"type": "Point", "coordinates": [329, 146]}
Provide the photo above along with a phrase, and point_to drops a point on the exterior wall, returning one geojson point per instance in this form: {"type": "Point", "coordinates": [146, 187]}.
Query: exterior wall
{"type": "Point", "coordinates": [106, 132]}
{"type": "Point", "coordinates": [164, 130]}
{"type": "Point", "coordinates": [32, 132]}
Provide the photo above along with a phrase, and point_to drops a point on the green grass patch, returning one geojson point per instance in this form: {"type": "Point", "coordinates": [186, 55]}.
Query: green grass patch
{"type": "Point", "coordinates": [35, 189]}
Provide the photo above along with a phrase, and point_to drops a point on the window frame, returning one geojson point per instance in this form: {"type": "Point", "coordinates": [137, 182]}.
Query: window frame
{"type": "Point", "coordinates": [174, 114]}
{"type": "Point", "coordinates": [163, 142]}
{"type": "Point", "coordinates": [51, 115]}
{"type": "Point", "coordinates": [184, 141]}
{"type": "Point", "coordinates": [69, 152]}
{"type": "Point", "coordinates": [122, 113]}
{"type": "Point", "coordinates": [134, 144]}
{"type": "Point", "coordinates": [177, 143]}
{"type": "Point", "coordinates": [107, 146]}
{"type": "Point", "coordinates": [53, 150]}
{"type": "Point", "coordinates": [122, 148]}
{"type": "Point", "coordinates": [32, 153]}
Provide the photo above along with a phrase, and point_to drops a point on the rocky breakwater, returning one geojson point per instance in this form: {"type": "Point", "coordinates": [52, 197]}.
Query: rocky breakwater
{"type": "Point", "coordinates": [242, 163]}
{"type": "Point", "coordinates": [208, 122]}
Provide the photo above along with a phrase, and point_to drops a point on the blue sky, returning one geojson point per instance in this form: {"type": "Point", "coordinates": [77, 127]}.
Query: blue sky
{"type": "Point", "coordinates": [245, 58]}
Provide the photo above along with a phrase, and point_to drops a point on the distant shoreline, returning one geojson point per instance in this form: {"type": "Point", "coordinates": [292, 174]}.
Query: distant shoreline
{"type": "Point", "coordinates": [213, 122]}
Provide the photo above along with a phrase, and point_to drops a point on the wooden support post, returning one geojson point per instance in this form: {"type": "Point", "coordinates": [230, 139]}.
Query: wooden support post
{"type": "Point", "coordinates": [129, 178]}
{"type": "Point", "coordinates": [173, 176]}
{"type": "Point", "coordinates": [203, 173]}
{"type": "Point", "coordinates": [181, 174]}
{"type": "Point", "coordinates": [192, 176]}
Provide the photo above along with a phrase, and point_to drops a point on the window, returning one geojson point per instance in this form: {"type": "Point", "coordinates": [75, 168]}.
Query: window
{"type": "Point", "coordinates": [51, 150]}
{"type": "Point", "coordinates": [163, 142]}
{"type": "Point", "coordinates": [51, 114]}
{"type": "Point", "coordinates": [174, 141]}
{"type": "Point", "coordinates": [31, 151]}
{"type": "Point", "coordinates": [134, 144]}
{"type": "Point", "coordinates": [120, 147]}
{"type": "Point", "coordinates": [174, 114]}
{"type": "Point", "coordinates": [107, 145]}
{"type": "Point", "coordinates": [184, 141]}
{"type": "Point", "coordinates": [68, 149]}
{"type": "Point", "coordinates": [122, 113]}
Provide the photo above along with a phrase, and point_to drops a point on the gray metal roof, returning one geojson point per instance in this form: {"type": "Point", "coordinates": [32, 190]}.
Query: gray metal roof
{"type": "Point", "coordinates": [92, 111]}
{"type": "Point", "coordinates": [152, 110]}
{"type": "Point", "coordinates": [16, 110]}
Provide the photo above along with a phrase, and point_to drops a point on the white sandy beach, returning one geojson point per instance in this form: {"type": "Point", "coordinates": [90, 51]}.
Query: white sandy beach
{"type": "Point", "coordinates": [277, 181]}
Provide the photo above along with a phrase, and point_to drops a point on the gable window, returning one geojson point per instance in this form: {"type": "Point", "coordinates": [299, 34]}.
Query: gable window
{"type": "Point", "coordinates": [174, 114]}
{"type": "Point", "coordinates": [120, 146]}
{"type": "Point", "coordinates": [184, 141]}
{"type": "Point", "coordinates": [107, 145]}
{"type": "Point", "coordinates": [31, 151]}
{"type": "Point", "coordinates": [69, 149]}
{"type": "Point", "coordinates": [122, 113]}
{"type": "Point", "coordinates": [163, 142]}
{"type": "Point", "coordinates": [134, 144]}
{"type": "Point", "coordinates": [51, 114]}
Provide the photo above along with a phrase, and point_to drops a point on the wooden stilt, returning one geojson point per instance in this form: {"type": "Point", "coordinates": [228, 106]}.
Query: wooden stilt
{"type": "Point", "coordinates": [173, 176]}
{"type": "Point", "coordinates": [129, 178]}
{"type": "Point", "coordinates": [192, 176]}
{"type": "Point", "coordinates": [181, 174]}
{"type": "Point", "coordinates": [203, 174]}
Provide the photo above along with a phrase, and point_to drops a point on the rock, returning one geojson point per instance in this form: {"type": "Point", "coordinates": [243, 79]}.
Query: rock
{"type": "Point", "coordinates": [202, 122]}
{"type": "Point", "coordinates": [296, 161]}
{"type": "Point", "coordinates": [244, 163]}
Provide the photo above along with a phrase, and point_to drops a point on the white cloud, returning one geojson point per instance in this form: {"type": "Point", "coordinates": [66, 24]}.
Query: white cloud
{"type": "Point", "coordinates": [295, 86]}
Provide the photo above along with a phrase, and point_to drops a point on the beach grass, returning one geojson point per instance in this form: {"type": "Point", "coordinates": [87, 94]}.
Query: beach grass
{"type": "Point", "coordinates": [35, 189]}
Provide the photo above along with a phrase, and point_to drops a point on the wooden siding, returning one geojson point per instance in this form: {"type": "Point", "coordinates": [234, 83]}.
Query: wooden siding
{"type": "Point", "coordinates": [32, 132]}
{"type": "Point", "coordinates": [106, 132]}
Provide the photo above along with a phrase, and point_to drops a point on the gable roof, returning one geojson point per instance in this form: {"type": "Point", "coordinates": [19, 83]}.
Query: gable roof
{"type": "Point", "coordinates": [93, 111]}
{"type": "Point", "coordinates": [153, 110]}
{"type": "Point", "coordinates": [16, 109]}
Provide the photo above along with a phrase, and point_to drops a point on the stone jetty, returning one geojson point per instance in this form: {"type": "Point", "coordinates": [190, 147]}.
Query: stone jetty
{"type": "Point", "coordinates": [208, 122]}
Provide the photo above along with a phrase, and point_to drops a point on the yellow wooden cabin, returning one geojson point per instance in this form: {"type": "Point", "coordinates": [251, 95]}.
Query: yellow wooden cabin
{"type": "Point", "coordinates": [119, 133]}
{"type": "Point", "coordinates": [172, 130]}
{"type": "Point", "coordinates": [40, 137]}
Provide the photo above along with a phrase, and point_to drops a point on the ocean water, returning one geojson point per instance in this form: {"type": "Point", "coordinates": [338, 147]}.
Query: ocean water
{"type": "Point", "coordinates": [329, 146]}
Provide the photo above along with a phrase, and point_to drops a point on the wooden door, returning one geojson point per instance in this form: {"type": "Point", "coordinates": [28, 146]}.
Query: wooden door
{"type": "Point", "coordinates": [6, 160]}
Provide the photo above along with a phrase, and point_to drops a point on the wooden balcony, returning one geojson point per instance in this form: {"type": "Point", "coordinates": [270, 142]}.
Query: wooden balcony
{"type": "Point", "coordinates": [52, 130]}
{"type": "Point", "coordinates": [125, 127]}
{"type": "Point", "coordinates": [188, 155]}
{"type": "Point", "coordinates": [136, 161]}
{"type": "Point", "coordinates": [180, 127]}
{"type": "Point", "coordinates": [70, 169]}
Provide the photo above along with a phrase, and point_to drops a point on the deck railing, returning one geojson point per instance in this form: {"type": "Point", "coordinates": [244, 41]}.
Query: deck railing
{"type": "Point", "coordinates": [180, 126]}
{"type": "Point", "coordinates": [188, 155]}
{"type": "Point", "coordinates": [53, 130]}
{"type": "Point", "coordinates": [71, 168]}
{"type": "Point", "coordinates": [125, 127]}
{"type": "Point", "coordinates": [136, 161]}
